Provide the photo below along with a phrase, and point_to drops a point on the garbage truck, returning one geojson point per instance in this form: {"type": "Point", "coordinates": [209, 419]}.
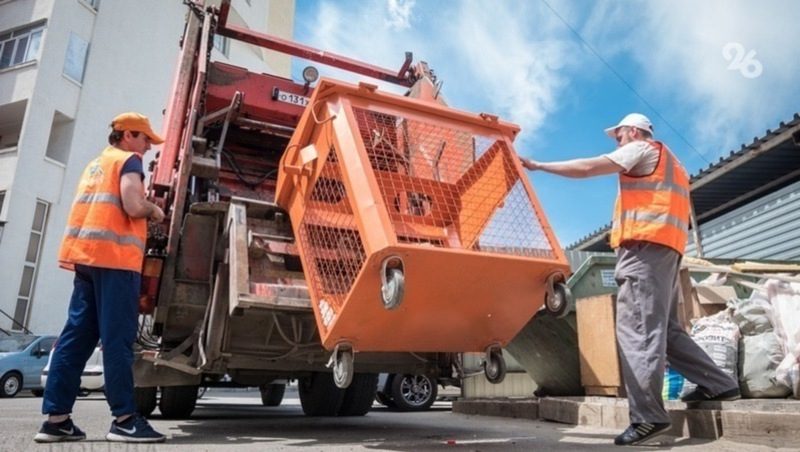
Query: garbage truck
{"type": "Point", "coordinates": [326, 232]}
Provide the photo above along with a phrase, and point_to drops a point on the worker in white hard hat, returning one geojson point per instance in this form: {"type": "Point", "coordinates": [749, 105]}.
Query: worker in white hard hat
{"type": "Point", "coordinates": [649, 232]}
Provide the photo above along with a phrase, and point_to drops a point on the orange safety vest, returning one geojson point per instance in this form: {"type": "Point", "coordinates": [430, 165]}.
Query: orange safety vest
{"type": "Point", "coordinates": [654, 208]}
{"type": "Point", "coordinates": [99, 232]}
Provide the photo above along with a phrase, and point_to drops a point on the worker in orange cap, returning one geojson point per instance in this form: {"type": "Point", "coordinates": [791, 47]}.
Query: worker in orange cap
{"type": "Point", "coordinates": [104, 245]}
{"type": "Point", "coordinates": [649, 233]}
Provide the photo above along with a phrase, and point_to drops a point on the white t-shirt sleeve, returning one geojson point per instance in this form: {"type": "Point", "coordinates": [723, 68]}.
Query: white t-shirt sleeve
{"type": "Point", "coordinates": [637, 157]}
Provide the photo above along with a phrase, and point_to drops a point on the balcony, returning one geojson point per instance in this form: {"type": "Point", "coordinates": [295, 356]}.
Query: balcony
{"type": "Point", "coordinates": [19, 51]}
{"type": "Point", "coordinates": [11, 117]}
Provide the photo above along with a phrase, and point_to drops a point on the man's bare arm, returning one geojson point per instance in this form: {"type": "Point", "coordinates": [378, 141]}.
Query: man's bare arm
{"type": "Point", "coordinates": [577, 168]}
{"type": "Point", "coordinates": [133, 200]}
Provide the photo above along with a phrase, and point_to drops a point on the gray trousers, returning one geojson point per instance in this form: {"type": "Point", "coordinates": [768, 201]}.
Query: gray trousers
{"type": "Point", "coordinates": [648, 332]}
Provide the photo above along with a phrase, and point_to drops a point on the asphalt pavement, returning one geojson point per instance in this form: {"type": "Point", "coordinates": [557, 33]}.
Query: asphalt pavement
{"type": "Point", "coordinates": [235, 420]}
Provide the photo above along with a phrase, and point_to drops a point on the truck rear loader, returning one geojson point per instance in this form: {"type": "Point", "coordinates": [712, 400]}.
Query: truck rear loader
{"type": "Point", "coordinates": [322, 232]}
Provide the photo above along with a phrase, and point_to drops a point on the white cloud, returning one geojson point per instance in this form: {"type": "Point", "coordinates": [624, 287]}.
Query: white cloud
{"type": "Point", "coordinates": [512, 60]}
{"type": "Point", "coordinates": [505, 58]}
{"type": "Point", "coordinates": [679, 48]}
{"type": "Point", "coordinates": [361, 32]}
{"type": "Point", "coordinates": [399, 13]}
{"type": "Point", "coordinates": [516, 59]}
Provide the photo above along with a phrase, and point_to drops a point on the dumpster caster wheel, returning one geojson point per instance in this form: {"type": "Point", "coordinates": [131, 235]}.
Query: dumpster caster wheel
{"type": "Point", "coordinates": [557, 302]}
{"type": "Point", "coordinates": [494, 366]}
{"type": "Point", "coordinates": [342, 363]}
{"type": "Point", "coordinates": [392, 283]}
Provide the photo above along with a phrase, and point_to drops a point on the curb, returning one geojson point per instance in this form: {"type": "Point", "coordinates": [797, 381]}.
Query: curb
{"type": "Point", "coordinates": [761, 419]}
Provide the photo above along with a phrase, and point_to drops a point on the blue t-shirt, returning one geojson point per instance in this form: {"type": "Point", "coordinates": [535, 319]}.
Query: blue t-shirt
{"type": "Point", "coordinates": [133, 165]}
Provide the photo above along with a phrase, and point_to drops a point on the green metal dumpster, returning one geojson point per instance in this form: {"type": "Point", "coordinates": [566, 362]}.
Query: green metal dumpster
{"type": "Point", "coordinates": [594, 277]}
{"type": "Point", "coordinates": [547, 347]}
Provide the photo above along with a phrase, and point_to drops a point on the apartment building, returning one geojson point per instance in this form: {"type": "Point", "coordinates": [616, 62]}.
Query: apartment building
{"type": "Point", "coordinates": [66, 68]}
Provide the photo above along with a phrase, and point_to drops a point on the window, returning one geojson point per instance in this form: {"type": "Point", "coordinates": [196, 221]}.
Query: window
{"type": "Point", "coordinates": [47, 344]}
{"type": "Point", "coordinates": [20, 46]}
{"type": "Point", "coordinates": [2, 217]}
{"type": "Point", "coordinates": [25, 295]}
{"type": "Point", "coordinates": [75, 62]}
{"type": "Point", "coordinates": [2, 220]}
{"type": "Point", "coordinates": [221, 43]}
{"type": "Point", "coordinates": [58, 146]}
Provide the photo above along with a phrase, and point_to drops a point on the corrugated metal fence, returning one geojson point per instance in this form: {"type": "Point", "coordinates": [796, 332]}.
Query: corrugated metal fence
{"type": "Point", "coordinates": [767, 228]}
{"type": "Point", "coordinates": [576, 258]}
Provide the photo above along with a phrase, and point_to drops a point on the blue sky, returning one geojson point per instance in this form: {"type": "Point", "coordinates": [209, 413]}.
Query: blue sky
{"type": "Point", "coordinates": [710, 75]}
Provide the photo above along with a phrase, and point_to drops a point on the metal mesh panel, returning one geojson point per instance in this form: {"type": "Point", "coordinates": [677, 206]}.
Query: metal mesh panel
{"type": "Point", "coordinates": [330, 238]}
{"type": "Point", "coordinates": [447, 187]}
{"type": "Point", "coordinates": [515, 228]}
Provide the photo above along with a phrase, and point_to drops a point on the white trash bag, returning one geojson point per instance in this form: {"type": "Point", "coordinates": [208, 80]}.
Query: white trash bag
{"type": "Point", "coordinates": [718, 336]}
{"type": "Point", "coordinates": [761, 349]}
{"type": "Point", "coordinates": [785, 299]}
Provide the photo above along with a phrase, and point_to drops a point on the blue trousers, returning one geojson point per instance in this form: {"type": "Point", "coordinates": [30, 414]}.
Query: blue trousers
{"type": "Point", "coordinates": [104, 306]}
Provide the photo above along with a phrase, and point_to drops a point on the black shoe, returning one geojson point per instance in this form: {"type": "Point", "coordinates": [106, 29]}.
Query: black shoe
{"type": "Point", "coordinates": [134, 429]}
{"type": "Point", "coordinates": [640, 433]}
{"type": "Point", "coordinates": [701, 394]}
{"type": "Point", "coordinates": [62, 431]}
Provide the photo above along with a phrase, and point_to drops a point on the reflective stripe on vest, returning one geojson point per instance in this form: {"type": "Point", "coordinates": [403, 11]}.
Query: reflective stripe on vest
{"type": "Point", "coordinates": [655, 207]}
{"type": "Point", "coordinates": [668, 184]}
{"type": "Point", "coordinates": [652, 217]}
{"type": "Point", "coordinates": [99, 232]}
{"type": "Point", "coordinates": [100, 198]}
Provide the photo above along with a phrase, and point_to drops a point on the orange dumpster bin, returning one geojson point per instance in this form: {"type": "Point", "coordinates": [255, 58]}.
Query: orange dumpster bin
{"type": "Point", "coordinates": [417, 227]}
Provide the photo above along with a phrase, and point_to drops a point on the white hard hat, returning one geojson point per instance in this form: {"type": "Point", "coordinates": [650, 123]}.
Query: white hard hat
{"type": "Point", "coordinates": [637, 120]}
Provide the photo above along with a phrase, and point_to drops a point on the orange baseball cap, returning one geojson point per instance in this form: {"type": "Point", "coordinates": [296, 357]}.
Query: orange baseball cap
{"type": "Point", "coordinates": [136, 122]}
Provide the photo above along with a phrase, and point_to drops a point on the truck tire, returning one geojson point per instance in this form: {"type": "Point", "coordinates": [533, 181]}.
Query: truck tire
{"type": "Point", "coordinates": [413, 392]}
{"type": "Point", "coordinates": [359, 396]}
{"type": "Point", "coordinates": [319, 395]}
{"type": "Point", "coordinates": [178, 402]}
{"type": "Point", "coordinates": [146, 400]}
{"type": "Point", "coordinates": [272, 394]}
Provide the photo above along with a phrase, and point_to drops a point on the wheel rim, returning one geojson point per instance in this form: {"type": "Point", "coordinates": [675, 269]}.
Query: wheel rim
{"type": "Point", "coordinates": [416, 390]}
{"type": "Point", "coordinates": [495, 366]}
{"type": "Point", "coordinates": [392, 282]}
{"type": "Point", "coordinates": [492, 368]}
{"type": "Point", "coordinates": [557, 301]}
{"type": "Point", "coordinates": [343, 369]}
{"type": "Point", "coordinates": [11, 385]}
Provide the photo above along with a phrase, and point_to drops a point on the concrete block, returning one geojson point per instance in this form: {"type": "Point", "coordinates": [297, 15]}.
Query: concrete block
{"type": "Point", "coordinates": [615, 415]}
{"type": "Point", "coordinates": [772, 422]}
{"type": "Point", "coordinates": [780, 426]}
{"type": "Point", "coordinates": [514, 408]}
{"type": "Point", "coordinates": [691, 423]}
{"type": "Point", "coordinates": [570, 411]}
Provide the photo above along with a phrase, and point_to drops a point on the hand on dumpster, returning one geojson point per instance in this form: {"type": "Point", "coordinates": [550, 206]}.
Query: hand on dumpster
{"type": "Point", "coordinates": [532, 165]}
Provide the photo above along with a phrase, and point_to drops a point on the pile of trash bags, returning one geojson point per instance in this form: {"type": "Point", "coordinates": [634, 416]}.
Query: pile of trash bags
{"type": "Point", "coordinates": [755, 340]}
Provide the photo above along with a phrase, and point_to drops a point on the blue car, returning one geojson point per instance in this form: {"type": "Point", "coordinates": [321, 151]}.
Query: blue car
{"type": "Point", "coordinates": [22, 358]}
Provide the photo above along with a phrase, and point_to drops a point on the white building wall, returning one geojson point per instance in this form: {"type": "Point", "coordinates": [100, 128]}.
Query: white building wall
{"type": "Point", "coordinates": [27, 182]}
{"type": "Point", "coordinates": [130, 67]}
{"type": "Point", "coordinates": [274, 17]}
